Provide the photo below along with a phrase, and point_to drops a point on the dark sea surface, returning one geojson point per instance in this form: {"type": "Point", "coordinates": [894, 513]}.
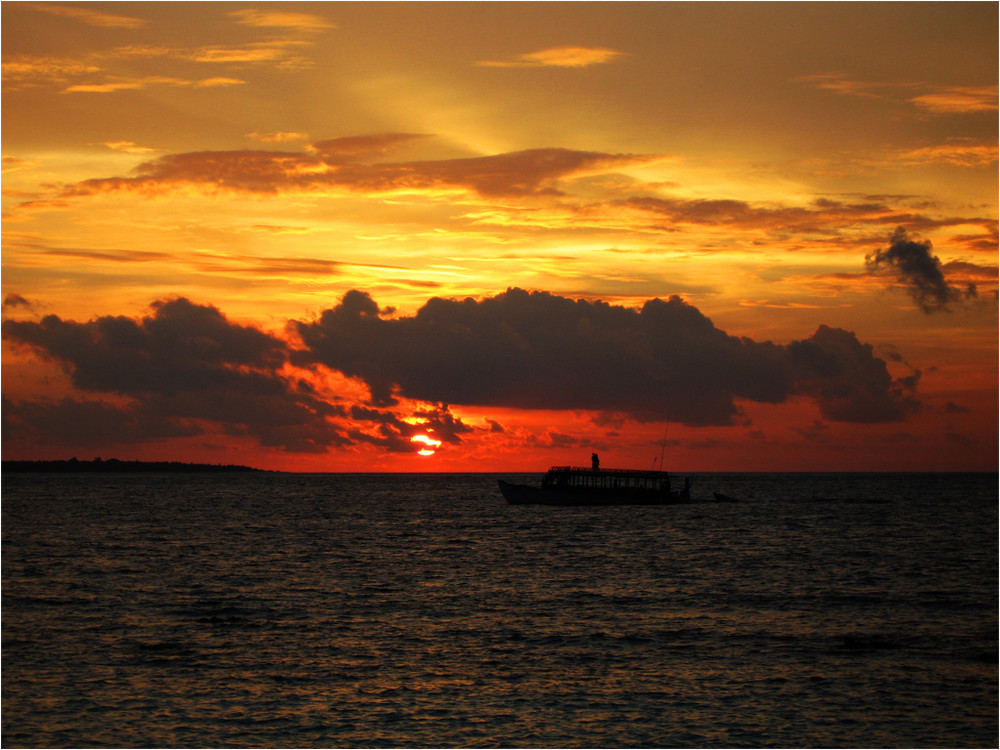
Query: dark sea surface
{"type": "Point", "coordinates": [271, 610]}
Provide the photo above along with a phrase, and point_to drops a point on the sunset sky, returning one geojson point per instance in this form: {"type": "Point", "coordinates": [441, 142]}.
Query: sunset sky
{"type": "Point", "coordinates": [731, 236]}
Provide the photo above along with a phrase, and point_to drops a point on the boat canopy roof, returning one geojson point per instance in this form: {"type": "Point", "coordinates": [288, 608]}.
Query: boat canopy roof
{"type": "Point", "coordinates": [607, 472]}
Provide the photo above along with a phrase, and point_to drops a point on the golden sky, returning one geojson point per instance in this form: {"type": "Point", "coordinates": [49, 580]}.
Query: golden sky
{"type": "Point", "coordinates": [731, 236]}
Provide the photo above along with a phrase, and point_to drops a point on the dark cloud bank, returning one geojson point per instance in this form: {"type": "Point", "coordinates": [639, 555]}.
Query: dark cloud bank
{"type": "Point", "coordinates": [186, 365]}
{"type": "Point", "coordinates": [182, 365]}
{"type": "Point", "coordinates": [540, 351]}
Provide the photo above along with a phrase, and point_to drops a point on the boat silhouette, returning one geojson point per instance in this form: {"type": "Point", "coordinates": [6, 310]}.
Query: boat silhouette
{"type": "Point", "coordinates": [573, 485]}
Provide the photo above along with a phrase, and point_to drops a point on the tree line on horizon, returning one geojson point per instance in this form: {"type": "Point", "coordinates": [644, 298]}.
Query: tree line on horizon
{"type": "Point", "coordinates": [116, 465]}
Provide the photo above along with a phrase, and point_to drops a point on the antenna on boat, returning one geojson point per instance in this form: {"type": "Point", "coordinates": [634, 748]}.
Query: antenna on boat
{"type": "Point", "coordinates": [663, 445]}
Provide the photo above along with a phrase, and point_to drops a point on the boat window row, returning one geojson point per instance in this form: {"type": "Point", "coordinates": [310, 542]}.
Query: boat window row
{"type": "Point", "coordinates": [601, 480]}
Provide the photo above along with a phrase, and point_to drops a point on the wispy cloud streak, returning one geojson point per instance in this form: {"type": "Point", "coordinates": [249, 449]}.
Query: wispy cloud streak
{"type": "Point", "coordinates": [341, 164]}
{"type": "Point", "coordinates": [557, 57]}
{"type": "Point", "coordinates": [935, 99]}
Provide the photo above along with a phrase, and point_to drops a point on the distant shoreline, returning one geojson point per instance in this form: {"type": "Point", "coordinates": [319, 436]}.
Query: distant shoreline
{"type": "Point", "coordinates": [114, 466]}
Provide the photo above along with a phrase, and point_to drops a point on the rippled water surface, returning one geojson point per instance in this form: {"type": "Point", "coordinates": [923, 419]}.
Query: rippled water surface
{"type": "Point", "coordinates": [420, 610]}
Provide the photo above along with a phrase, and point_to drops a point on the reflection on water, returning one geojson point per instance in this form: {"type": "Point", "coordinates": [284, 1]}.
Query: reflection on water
{"type": "Point", "coordinates": [325, 610]}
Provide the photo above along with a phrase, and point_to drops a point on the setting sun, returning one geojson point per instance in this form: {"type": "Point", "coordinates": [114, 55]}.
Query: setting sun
{"type": "Point", "coordinates": [429, 443]}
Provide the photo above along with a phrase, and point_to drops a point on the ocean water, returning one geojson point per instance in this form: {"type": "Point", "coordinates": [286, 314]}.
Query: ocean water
{"type": "Point", "coordinates": [422, 611]}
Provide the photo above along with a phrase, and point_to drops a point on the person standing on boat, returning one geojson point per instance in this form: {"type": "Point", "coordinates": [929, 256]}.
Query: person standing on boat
{"type": "Point", "coordinates": [595, 462]}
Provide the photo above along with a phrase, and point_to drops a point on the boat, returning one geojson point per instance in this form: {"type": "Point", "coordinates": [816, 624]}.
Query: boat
{"type": "Point", "coordinates": [573, 485]}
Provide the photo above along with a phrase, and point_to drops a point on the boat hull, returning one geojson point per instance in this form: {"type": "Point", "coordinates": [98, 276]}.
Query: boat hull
{"type": "Point", "coordinates": [524, 494]}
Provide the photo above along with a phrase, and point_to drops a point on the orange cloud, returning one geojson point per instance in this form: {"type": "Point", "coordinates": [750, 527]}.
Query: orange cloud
{"type": "Point", "coordinates": [279, 137]}
{"type": "Point", "coordinates": [104, 88]}
{"type": "Point", "coordinates": [129, 147]}
{"type": "Point", "coordinates": [90, 17]}
{"type": "Point", "coordinates": [76, 75]}
{"type": "Point", "coordinates": [217, 81]}
{"type": "Point", "coordinates": [959, 153]}
{"type": "Point", "coordinates": [207, 262]}
{"type": "Point", "coordinates": [12, 164]}
{"type": "Point", "coordinates": [39, 250]}
{"type": "Point", "coordinates": [959, 99]}
{"type": "Point", "coordinates": [822, 216]}
{"type": "Point", "coordinates": [254, 265]}
{"type": "Point", "coordinates": [728, 212]}
{"type": "Point", "coordinates": [26, 72]}
{"type": "Point", "coordinates": [557, 57]}
{"type": "Point", "coordinates": [837, 83]}
{"type": "Point", "coordinates": [138, 83]}
{"type": "Point", "coordinates": [334, 167]}
{"type": "Point", "coordinates": [938, 99]}
{"type": "Point", "coordinates": [280, 19]}
{"type": "Point", "coordinates": [353, 148]}
{"type": "Point", "coordinates": [236, 54]}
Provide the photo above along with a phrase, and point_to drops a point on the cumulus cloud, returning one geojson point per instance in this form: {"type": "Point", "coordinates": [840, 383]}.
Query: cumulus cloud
{"type": "Point", "coordinates": [181, 346]}
{"type": "Point", "coordinates": [847, 381]}
{"type": "Point", "coordinates": [919, 271]}
{"type": "Point", "coordinates": [344, 164]}
{"type": "Point", "coordinates": [541, 351]}
{"type": "Point", "coordinates": [185, 370]}
{"type": "Point", "coordinates": [184, 362]}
